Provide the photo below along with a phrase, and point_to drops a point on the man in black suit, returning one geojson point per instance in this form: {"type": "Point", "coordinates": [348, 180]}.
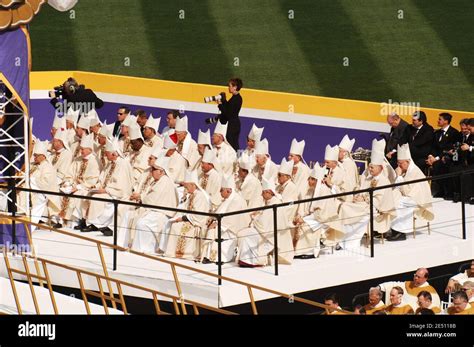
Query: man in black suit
{"type": "Point", "coordinates": [441, 156]}
{"type": "Point", "coordinates": [468, 148]}
{"type": "Point", "coordinates": [122, 113]}
{"type": "Point", "coordinates": [460, 162]}
{"type": "Point", "coordinates": [420, 139]}
{"type": "Point", "coordinates": [399, 133]}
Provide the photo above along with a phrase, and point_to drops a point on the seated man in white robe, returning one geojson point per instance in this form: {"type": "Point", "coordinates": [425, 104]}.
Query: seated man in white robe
{"type": "Point", "coordinates": [187, 147]}
{"type": "Point", "coordinates": [94, 123]}
{"type": "Point", "coordinates": [349, 165]}
{"type": "Point", "coordinates": [230, 225]}
{"type": "Point", "coordinates": [247, 184]}
{"type": "Point", "coordinates": [256, 243]}
{"type": "Point", "coordinates": [144, 224]}
{"type": "Point", "coordinates": [355, 214]}
{"type": "Point", "coordinates": [289, 192]}
{"type": "Point", "coordinates": [71, 122]}
{"type": "Point", "coordinates": [264, 167]}
{"type": "Point", "coordinates": [177, 166]}
{"type": "Point", "coordinates": [150, 133]}
{"type": "Point", "coordinates": [182, 238]}
{"type": "Point", "coordinates": [203, 143]}
{"type": "Point", "coordinates": [105, 133]}
{"type": "Point", "coordinates": [85, 175]}
{"type": "Point", "coordinates": [210, 179]}
{"type": "Point", "coordinates": [42, 177]}
{"type": "Point", "coordinates": [336, 172]}
{"type": "Point", "coordinates": [300, 169]}
{"type": "Point", "coordinates": [253, 138]}
{"type": "Point", "coordinates": [82, 129]}
{"type": "Point", "coordinates": [138, 157]}
{"type": "Point", "coordinates": [124, 142]}
{"type": "Point", "coordinates": [226, 156]}
{"type": "Point", "coordinates": [307, 234]}
{"type": "Point", "coordinates": [115, 182]}
{"type": "Point", "coordinates": [411, 199]}
{"type": "Point", "coordinates": [61, 160]}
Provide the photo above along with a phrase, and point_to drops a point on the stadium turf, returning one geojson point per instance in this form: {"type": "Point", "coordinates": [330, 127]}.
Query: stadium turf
{"type": "Point", "coordinates": [408, 59]}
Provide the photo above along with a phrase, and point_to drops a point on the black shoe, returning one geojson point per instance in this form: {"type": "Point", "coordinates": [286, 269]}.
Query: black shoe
{"type": "Point", "coordinates": [397, 236]}
{"type": "Point", "coordinates": [377, 235]}
{"type": "Point", "coordinates": [339, 247]}
{"type": "Point", "coordinates": [81, 225]}
{"type": "Point", "coordinates": [456, 197]}
{"type": "Point", "coordinates": [206, 261]}
{"type": "Point", "coordinates": [57, 225]}
{"type": "Point", "coordinates": [88, 229]}
{"type": "Point", "coordinates": [106, 231]}
{"type": "Point", "coordinates": [304, 256]}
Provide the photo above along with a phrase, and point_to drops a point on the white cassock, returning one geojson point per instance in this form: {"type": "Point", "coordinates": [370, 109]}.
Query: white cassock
{"type": "Point", "coordinates": [71, 136]}
{"type": "Point", "coordinates": [269, 171]}
{"type": "Point", "coordinates": [155, 142]}
{"type": "Point", "coordinates": [177, 167]}
{"type": "Point", "coordinates": [226, 158]}
{"type": "Point", "coordinates": [300, 177]}
{"type": "Point", "coordinates": [86, 174]}
{"type": "Point", "coordinates": [341, 185]}
{"type": "Point", "coordinates": [42, 177]}
{"type": "Point", "coordinates": [116, 179]}
{"type": "Point", "coordinates": [306, 236]}
{"type": "Point", "coordinates": [255, 244]}
{"type": "Point", "coordinates": [251, 190]}
{"type": "Point", "coordinates": [147, 224]}
{"type": "Point", "coordinates": [189, 151]}
{"type": "Point", "coordinates": [101, 157]}
{"type": "Point", "coordinates": [355, 215]}
{"type": "Point", "coordinates": [125, 145]}
{"type": "Point", "coordinates": [352, 173]}
{"type": "Point", "coordinates": [412, 199]}
{"type": "Point", "coordinates": [211, 183]}
{"type": "Point", "coordinates": [183, 239]}
{"type": "Point", "coordinates": [75, 148]}
{"type": "Point", "coordinates": [230, 227]}
{"type": "Point", "coordinates": [139, 161]}
{"type": "Point", "coordinates": [61, 162]}
{"type": "Point", "coordinates": [289, 192]}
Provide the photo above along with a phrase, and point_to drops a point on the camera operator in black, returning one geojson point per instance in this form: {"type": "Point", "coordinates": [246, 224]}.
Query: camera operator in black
{"type": "Point", "coordinates": [76, 96]}
{"type": "Point", "coordinates": [441, 156]}
{"type": "Point", "coordinates": [230, 112]}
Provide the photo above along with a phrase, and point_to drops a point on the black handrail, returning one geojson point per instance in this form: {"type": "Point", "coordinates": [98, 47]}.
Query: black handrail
{"type": "Point", "coordinates": [219, 216]}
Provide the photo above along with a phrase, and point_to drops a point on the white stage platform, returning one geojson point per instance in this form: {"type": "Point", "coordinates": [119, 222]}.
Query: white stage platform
{"type": "Point", "coordinates": [445, 245]}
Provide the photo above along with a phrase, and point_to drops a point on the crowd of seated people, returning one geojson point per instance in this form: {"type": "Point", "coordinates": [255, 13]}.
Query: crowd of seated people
{"type": "Point", "coordinates": [130, 160]}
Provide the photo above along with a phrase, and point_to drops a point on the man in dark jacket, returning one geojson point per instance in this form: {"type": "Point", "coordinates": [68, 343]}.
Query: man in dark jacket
{"type": "Point", "coordinates": [399, 133]}
{"type": "Point", "coordinates": [460, 159]}
{"type": "Point", "coordinates": [441, 156]}
{"type": "Point", "coordinates": [420, 139]}
{"type": "Point", "coordinates": [230, 112]}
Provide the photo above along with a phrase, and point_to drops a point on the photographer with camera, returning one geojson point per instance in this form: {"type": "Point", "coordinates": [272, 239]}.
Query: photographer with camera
{"type": "Point", "coordinates": [441, 156]}
{"type": "Point", "coordinates": [75, 95]}
{"type": "Point", "coordinates": [229, 111]}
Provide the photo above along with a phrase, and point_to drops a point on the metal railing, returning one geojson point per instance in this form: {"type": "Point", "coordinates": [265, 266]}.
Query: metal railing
{"type": "Point", "coordinates": [219, 216]}
{"type": "Point", "coordinates": [250, 288]}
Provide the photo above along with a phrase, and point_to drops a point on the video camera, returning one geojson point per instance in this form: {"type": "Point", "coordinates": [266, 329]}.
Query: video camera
{"type": "Point", "coordinates": [57, 92]}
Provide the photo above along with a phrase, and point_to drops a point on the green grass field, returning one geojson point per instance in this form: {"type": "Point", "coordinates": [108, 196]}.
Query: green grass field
{"type": "Point", "coordinates": [409, 59]}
